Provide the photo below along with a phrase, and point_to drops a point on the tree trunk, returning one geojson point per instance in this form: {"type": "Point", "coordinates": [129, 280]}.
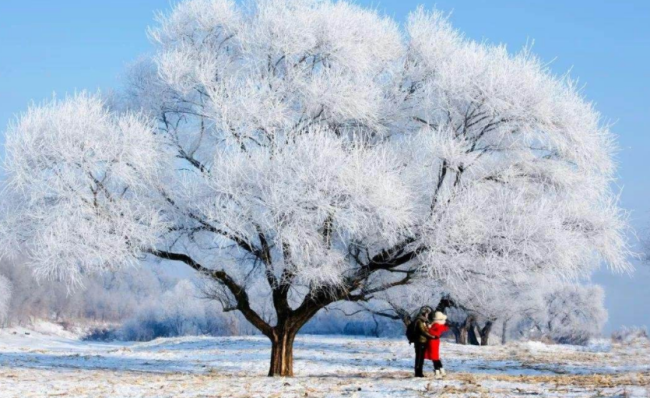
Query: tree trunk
{"type": "Point", "coordinates": [461, 331]}
{"type": "Point", "coordinates": [468, 333]}
{"type": "Point", "coordinates": [283, 335]}
{"type": "Point", "coordinates": [473, 334]}
{"type": "Point", "coordinates": [485, 332]}
{"type": "Point", "coordinates": [463, 335]}
{"type": "Point", "coordinates": [282, 353]}
{"type": "Point", "coordinates": [375, 331]}
{"type": "Point", "coordinates": [504, 331]}
{"type": "Point", "coordinates": [456, 331]}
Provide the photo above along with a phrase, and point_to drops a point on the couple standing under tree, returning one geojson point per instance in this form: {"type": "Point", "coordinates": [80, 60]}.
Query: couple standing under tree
{"type": "Point", "coordinates": [426, 337]}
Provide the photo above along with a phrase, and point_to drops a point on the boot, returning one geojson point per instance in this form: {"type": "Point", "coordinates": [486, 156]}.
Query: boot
{"type": "Point", "coordinates": [438, 374]}
{"type": "Point", "coordinates": [443, 373]}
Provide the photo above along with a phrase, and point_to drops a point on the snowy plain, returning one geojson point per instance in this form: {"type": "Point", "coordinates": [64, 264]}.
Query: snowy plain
{"type": "Point", "coordinates": [49, 362]}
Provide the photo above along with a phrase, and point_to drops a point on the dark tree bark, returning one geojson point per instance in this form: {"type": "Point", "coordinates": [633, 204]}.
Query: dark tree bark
{"type": "Point", "coordinates": [466, 332]}
{"type": "Point", "coordinates": [463, 335]}
{"type": "Point", "coordinates": [485, 332]}
{"type": "Point", "coordinates": [282, 353]}
{"type": "Point", "coordinates": [444, 304]}
{"type": "Point", "coordinates": [473, 334]}
{"type": "Point", "coordinates": [504, 331]}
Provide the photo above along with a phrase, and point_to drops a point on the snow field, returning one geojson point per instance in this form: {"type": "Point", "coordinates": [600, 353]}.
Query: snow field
{"type": "Point", "coordinates": [48, 364]}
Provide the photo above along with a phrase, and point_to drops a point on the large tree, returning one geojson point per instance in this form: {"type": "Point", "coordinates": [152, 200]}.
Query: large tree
{"type": "Point", "coordinates": [300, 152]}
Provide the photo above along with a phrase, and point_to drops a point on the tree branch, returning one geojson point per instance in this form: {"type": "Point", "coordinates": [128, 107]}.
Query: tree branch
{"type": "Point", "coordinates": [239, 293]}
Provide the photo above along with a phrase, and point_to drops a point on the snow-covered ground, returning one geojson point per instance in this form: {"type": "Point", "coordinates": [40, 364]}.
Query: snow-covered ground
{"type": "Point", "coordinates": [51, 362]}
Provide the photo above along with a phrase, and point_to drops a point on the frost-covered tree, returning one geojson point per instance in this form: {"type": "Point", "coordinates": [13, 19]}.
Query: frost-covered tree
{"type": "Point", "coordinates": [568, 313]}
{"type": "Point", "coordinates": [473, 306]}
{"type": "Point", "coordinates": [179, 311]}
{"type": "Point", "coordinates": [575, 313]}
{"type": "Point", "coordinates": [482, 302]}
{"type": "Point", "coordinates": [299, 153]}
{"type": "Point", "coordinates": [105, 297]}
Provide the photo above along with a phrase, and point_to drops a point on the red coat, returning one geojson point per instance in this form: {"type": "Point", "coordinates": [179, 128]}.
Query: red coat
{"type": "Point", "coordinates": [433, 346]}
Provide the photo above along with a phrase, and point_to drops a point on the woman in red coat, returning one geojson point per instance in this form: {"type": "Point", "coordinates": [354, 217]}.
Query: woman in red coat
{"type": "Point", "coordinates": [432, 352]}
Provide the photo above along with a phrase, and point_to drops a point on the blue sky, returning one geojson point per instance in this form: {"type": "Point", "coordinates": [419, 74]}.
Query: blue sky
{"type": "Point", "coordinates": [66, 45]}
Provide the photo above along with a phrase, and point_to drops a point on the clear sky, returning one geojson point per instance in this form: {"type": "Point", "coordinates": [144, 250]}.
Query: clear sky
{"type": "Point", "coordinates": [66, 45]}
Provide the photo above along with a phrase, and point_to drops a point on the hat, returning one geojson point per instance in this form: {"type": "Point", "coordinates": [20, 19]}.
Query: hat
{"type": "Point", "coordinates": [439, 316]}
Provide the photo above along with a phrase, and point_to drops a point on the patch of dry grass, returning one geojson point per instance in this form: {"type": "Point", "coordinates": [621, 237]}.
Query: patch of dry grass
{"type": "Point", "coordinates": [100, 383]}
{"type": "Point", "coordinates": [593, 380]}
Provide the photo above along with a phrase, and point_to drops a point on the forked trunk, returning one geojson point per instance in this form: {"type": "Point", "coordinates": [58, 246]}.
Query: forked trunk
{"type": "Point", "coordinates": [283, 335]}
{"type": "Point", "coordinates": [282, 353]}
{"type": "Point", "coordinates": [485, 332]}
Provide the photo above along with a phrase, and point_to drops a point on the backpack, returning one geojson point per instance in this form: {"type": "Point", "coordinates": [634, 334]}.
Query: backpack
{"type": "Point", "coordinates": [410, 332]}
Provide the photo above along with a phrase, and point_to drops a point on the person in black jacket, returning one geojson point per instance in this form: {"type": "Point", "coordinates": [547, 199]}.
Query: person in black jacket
{"type": "Point", "coordinates": [422, 336]}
